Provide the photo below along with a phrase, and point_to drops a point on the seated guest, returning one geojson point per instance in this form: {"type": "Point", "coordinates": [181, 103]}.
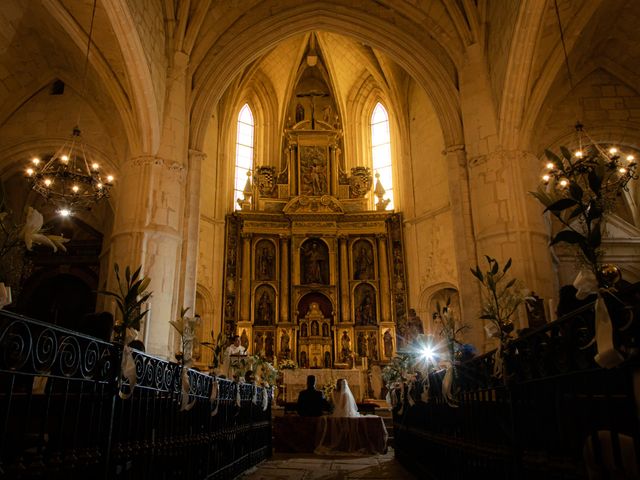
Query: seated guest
{"type": "Point", "coordinates": [311, 402]}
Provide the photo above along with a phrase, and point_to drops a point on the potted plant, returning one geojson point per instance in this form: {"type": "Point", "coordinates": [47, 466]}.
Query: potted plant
{"type": "Point", "coordinates": [130, 297]}
{"type": "Point", "coordinates": [501, 298]}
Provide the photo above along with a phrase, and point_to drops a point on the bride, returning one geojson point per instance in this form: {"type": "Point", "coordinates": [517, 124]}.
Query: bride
{"type": "Point", "coordinates": [343, 401]}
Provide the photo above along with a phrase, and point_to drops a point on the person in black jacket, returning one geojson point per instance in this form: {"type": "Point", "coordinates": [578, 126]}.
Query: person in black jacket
{"type": "Point", "coordinates": [311, 402]}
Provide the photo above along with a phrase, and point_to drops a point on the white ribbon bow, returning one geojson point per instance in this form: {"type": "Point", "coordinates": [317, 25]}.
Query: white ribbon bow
{"type": "Point", "coordinates": [185, 405]}
{"type": "Point", "coordinates": [607, 356]}
{"type": "Point", "coordinates": [128, 364]}
{"type": "Point", "coordinates": [215, 390]}
{"type": "Point", "coordinates": [447, 383]}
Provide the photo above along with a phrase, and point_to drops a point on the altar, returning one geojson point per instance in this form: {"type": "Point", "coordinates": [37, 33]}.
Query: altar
{"type": "Point", "coordinates": [296, 380]}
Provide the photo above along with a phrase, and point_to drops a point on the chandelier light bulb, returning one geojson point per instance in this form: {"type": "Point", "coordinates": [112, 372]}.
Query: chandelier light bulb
{"type": "Point", "coordinates": [613, 150]}
{"type": "Point", "coordinates": [65, 212]}
{"type": "Point", "coordinates": [35, 161]}
{"type": "Point", "coordinates": [75, 188]}
{"type": "Point", "coordinates": [622, 170]}
{"type": "Point", "coordinates": [29, 171]}
{"type": "Point", "coordinates": [550, 166]}
{"type": "Point", "coordinates": [630, 158]}
{"type": "Point", "coordinates": [99, 186]}
{"type": "Point", "coordinates": [47, 182]}
{"type": "Point", "coordinates": [64, 158]}
{"type": "Point", "coordinates": [564, 182]}
{"type": "Point", "coordinates": [579, 154]}
{"type": "Point", "coordinates": [95, 166]}
{"type": "Point", "coordinates": [546, 178]}
{"type": "Point", "coordinates": [110, 178]}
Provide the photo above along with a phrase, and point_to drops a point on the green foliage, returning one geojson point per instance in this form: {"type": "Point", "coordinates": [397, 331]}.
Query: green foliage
{"type": "Point", "coordinates": [450, 329]}
{"type": "Point", "coordinates": [397, 370]}
{"type": "Point", "coordinates": [502, 296]}
{"type": "Point", "coordinates": [130, 297]}
{"type": "Point", "coordinates": [217, 348]}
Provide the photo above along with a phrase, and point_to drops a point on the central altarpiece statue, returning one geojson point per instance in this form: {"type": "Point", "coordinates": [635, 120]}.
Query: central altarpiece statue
{"type": "Point", "coordinates": [312, 273]}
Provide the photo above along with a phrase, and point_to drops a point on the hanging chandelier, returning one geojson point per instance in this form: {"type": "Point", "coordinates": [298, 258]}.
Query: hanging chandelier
{"type": "Point", "coordinates": [69, 179]}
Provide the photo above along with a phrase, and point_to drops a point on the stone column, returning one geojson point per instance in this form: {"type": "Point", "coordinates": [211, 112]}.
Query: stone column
{"type": "Point", "coordinates": [383, 266]}
{"type": "Point", "coordinates": [192, 224]}
{"type": "Point", "coordinates": [344, 279]}
{"type": "Point", "coordinates": [148, 231]}
{"type": "Point", "coordinates": [284, 279]}
{"type": "Point", "coordinates": [464, 243]}
{"type": "Point", "coordinates": [508, 220]}
{"type": "Point", "coordinates": [245, 285]}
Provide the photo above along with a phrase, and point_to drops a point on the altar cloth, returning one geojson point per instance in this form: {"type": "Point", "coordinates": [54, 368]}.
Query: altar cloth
{"type": "Point", "coordinates": [327, 435]}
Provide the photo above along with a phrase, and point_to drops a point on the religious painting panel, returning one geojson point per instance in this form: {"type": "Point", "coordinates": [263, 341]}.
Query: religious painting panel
{"type": "Point", "coordinates": [314, 170]}
{"type": "Point", "coordinates": [367, 345]}
{"type": "Point", "coordinates": [269, 345]}
{"type": "Point", "coordinates": [264, 305]}
{"type": "Point", "coordinates": [365, 305]}
{"type": "Point", "coordinates": [314, 259]}
{"type": "Point", "coordinates": [363, 260]}
{"type": "Point", "coordinates": [265, 260]}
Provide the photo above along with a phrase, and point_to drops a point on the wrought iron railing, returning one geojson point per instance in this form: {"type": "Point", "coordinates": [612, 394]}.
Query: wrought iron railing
{"type": "Point", "coordinates": [62, 417]}
{"type": "Point", "coordinates": [552, 414]}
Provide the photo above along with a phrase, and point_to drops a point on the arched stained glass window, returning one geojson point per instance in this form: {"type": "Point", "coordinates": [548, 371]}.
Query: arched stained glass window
{"type": "Point", "coordinates": [381, 150]}
{"type": "Point", "coordinates": [244, 152]}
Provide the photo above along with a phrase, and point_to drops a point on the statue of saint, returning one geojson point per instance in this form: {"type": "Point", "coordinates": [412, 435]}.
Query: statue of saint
{"type": "Point", "coordinates": [365, 314]}
{"type": "Point", "coordinates": [314, 260]}
{"type": "Point", "coordinates": [304, 363]}
{"type": "Point", "coordinates": [284, 342]}
{"type": "Point", "coordinates": [388, 344]}
{"type": "Point", "coordinates": [362, 345]}
{"type": "Point", "coordinates": [314, 329]}
{"type": "Point", "coordinates": [345, 343]}
{"type": "Point", "coordinates": [244, 339]}
{"type": "Point", "coordinates": [268, 343]}
{"type": "Point", "coordinates": [325, 330]}
{"type": "Point", "coordinates": [373, 346]}
{"type": "Point", "coordinates": [265, 309]}
{"type": "Point", "coordinates": [364, 264]}
{"type": "Point", "coordinates": [265, 264]}
{"type": "Point", "coordinates": [303, 330]}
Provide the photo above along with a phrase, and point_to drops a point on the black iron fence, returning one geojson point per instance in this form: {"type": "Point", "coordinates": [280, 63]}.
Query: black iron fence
{"type": "Point", "coordinates": [553, 414]}
{"type": "Point", "coordinates": [62, 415]}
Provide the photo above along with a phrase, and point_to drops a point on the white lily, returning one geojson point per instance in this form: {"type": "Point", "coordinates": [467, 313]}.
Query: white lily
{"type": "Point", "coordinates": [31, 232]}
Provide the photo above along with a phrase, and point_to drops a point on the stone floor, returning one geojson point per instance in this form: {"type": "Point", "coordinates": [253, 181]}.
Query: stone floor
{"type": "Point", "coordinates": [314, 467]}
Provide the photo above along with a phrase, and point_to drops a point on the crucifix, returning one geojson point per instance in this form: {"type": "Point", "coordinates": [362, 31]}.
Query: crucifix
{"type": "Point", "coordinates": [313, 96]}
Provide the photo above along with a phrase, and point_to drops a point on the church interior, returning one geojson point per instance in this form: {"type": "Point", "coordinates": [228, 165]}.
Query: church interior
{"type": "Point", "coordinates": [325, 180]}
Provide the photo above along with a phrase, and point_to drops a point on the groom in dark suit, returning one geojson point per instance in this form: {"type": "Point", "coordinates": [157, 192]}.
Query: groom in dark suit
{"type": "Point", "coordinates": [311, 402]}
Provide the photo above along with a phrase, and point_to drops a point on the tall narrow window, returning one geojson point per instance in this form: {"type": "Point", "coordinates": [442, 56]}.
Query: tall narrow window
{"type": "Point", "coordinates": [244, 152]}
{"type": "Point", "coordinates": [381, 150]}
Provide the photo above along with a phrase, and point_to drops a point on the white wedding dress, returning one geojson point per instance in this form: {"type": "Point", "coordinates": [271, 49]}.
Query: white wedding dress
{"type": "Point", "coordinates": [343, 401]}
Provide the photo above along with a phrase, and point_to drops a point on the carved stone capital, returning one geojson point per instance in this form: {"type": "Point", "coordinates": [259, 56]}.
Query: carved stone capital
{"type": "Point", "coordinates": [195, 155]}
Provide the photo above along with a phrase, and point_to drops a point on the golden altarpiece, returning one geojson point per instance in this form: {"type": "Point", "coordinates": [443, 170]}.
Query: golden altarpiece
{"type": "Point", "coordinates": [312, 273]}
